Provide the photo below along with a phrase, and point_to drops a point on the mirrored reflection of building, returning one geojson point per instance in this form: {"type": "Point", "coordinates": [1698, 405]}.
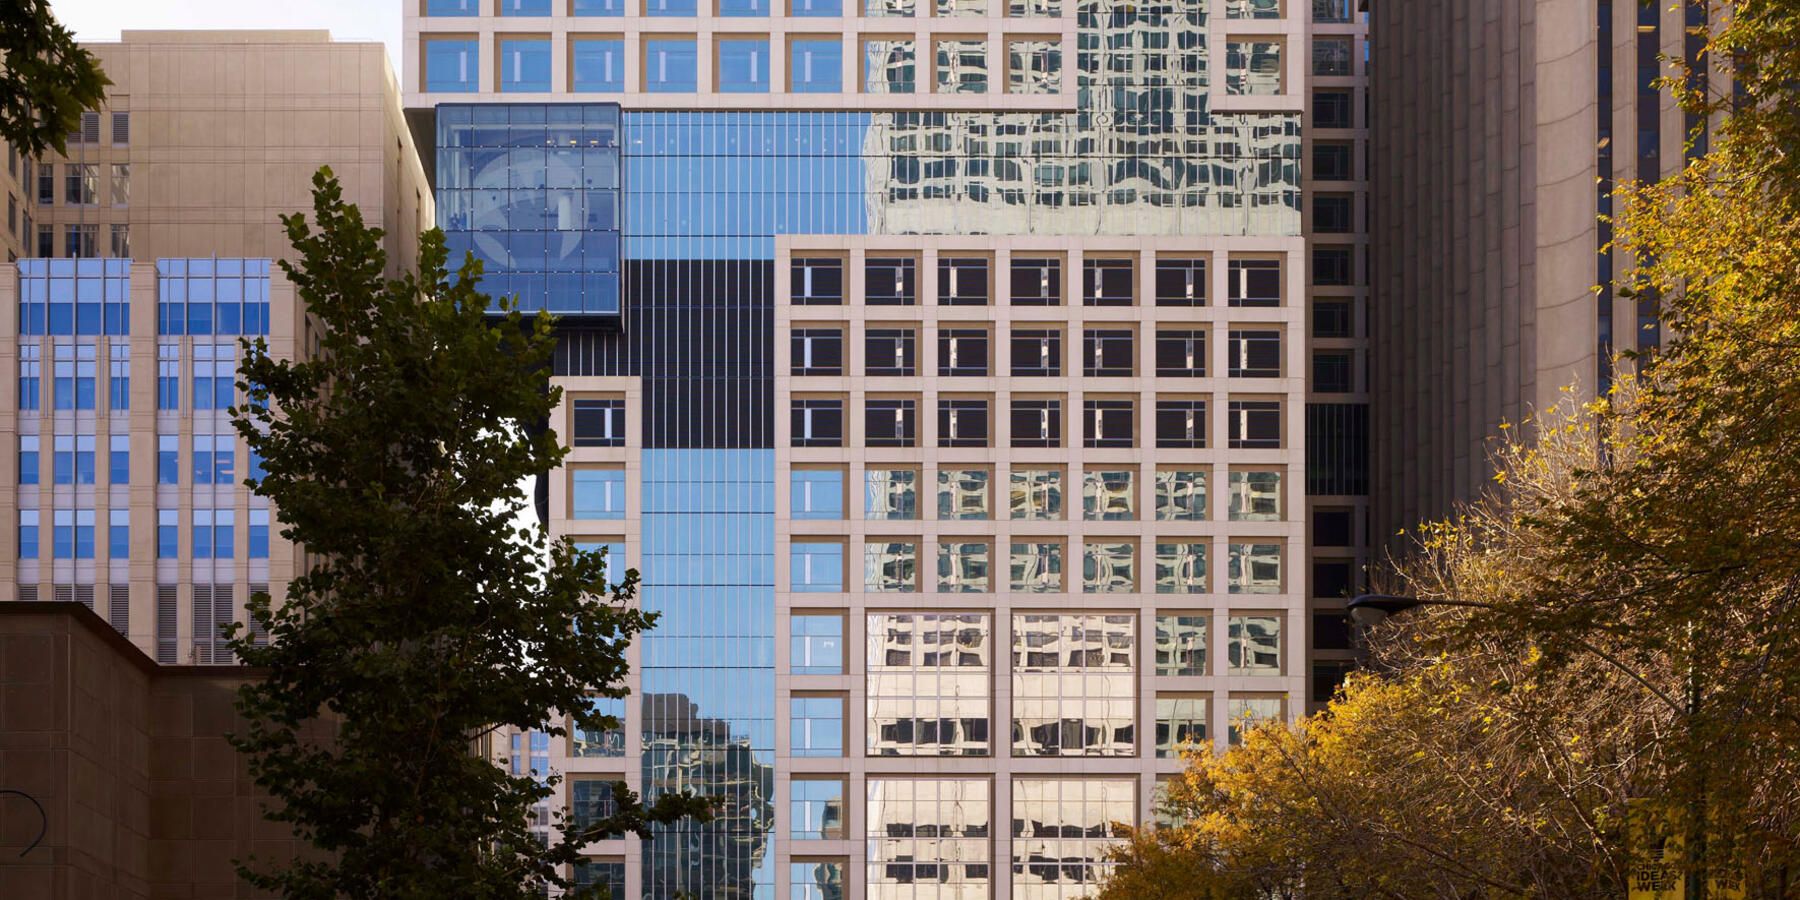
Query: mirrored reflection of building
{"type": "Point", "coordinates": [953, 371]}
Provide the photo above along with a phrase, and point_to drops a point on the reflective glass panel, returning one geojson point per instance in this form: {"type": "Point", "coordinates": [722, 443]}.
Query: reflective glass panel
{"type": "Point", "coordinates": [1108, 495]}
{"type": "Point", "coordinates": [1181, 495]}
{"type": "Point", "coordinates": [599, 65]}
{"type": "Point", "coordinates": [816, 567]}
{"type": "Point", "coordinates": [1074, 684]}
{"type": "Point", "coordinates": [1037, 494]}
{"type": "Point", "coordinates": [816, 644]}
{"type": "Point", "coordinates": [816, 726]}
{"type": "Point", "coordinates": [1246, 712]}
{"type": "Point", "coordinates": [1255, 569]}
{"type": "Point", "coordinates": [1180, 645]}
{"type": "Point", "coordinates": [962, 67]}
{"type": "Point", "coordinates": [1181, 720]}
{"type": "Point", "coordinates": [816, 809]}
{"type": "Point", "coordinates": [1255, 496]}
{"type": "Point", "coordinates": [1034, 67]}
{"type": "Point", "coordinates": [1181, 567]}
{"type": "Point", "coordinates": [743, 67]}
{"type": "Point", "coordinates": [1109, 567]}
{"type": "Point", "coordinates": [963, 494]}
{"type": "Point", "coordinates": [891, 494]}
{"type": "Point", "coordinates": [1037, 567]}
{"type": "Point", "coordinates": [450, 66]}
{"type": "Point", "coordinates": [1253, 645]}
{"type": "Point", "coordinates": [524, 65]}
{"type": "Point", "coordinates": [929, 838]}
{"type": "Point", "coordinates": [891, 567]}
{"type": "Point", "coordinates": [929, 684]}
{"type": "Point", "coordinates": [891, 65]}
{"type": "Point", "coordinates": [1064, 832]}
{"type": "Point", "coordinates": [964, 567]}
{"type": "Point", "coordinates": [670, 67]}
{"type": "Point", "coordinates": [816, 66]}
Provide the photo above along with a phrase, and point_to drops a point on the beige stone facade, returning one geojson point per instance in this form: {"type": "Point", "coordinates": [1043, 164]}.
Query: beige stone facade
{"type": "Point", "coordinates": [127, 475]}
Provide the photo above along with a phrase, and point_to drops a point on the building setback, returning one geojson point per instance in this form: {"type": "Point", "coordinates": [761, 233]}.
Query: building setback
{"type": "Point", "coordinates": [970, 381]}
{"type": "Point", "coordinates": [1499, 131]}
{"type": "Point", "coordinates": [152, 255]}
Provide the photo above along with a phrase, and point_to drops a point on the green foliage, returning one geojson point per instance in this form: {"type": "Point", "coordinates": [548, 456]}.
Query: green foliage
{"type": "Point", "coordinates": [423, 615]}
{"type": "Point", "coordinates": [46, 79]}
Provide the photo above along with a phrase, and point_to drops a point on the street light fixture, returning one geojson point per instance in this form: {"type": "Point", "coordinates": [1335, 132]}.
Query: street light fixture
{"type": "Point", "coordinates": [1370, 610]}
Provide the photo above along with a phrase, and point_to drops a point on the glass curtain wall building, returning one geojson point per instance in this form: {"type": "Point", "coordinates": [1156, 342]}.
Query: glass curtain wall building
{"type": "Point", "coordinates": [943, 368]}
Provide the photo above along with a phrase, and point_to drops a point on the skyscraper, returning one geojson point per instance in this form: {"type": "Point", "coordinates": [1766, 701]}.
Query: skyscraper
{"type": "Point", "coordinates": [1500, 131]}
{"type": "Point", "coordinates": [150, 253]}
{"type": "Point", "coordinates": [952, 401]}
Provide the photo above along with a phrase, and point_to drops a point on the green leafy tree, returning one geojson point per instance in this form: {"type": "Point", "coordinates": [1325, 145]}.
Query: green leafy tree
{"type": "Point", "coordinates": [424, 616]}
{"type": "Point", "coordinates": [46, 79]}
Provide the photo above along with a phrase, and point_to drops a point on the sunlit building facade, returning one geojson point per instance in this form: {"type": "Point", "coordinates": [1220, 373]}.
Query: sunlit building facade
{"type": "Point", "coordinates": [946, 369]}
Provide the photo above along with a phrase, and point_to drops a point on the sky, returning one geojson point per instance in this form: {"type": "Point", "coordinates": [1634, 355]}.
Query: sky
{"type": "Point", "coordinates": [101, 20]}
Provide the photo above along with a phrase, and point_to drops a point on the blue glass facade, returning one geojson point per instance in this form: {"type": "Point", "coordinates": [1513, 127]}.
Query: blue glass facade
{"type": "Point", "coordinates": [533, 191]}
{"type": "Point", "coordinates": [74, 296]}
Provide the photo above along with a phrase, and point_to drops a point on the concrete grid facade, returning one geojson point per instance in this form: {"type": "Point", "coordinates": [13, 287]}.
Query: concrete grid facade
{"type": "Point", "coordinates": [871, 620]}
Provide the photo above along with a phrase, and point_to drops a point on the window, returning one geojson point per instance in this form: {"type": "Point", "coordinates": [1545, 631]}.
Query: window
{"type": "Point", "coordinates": [963, 422]}
{"type": "Point", "coordinates": [1253, 645]}
{"type": "Point", "coordinates": [1254, 9]}
{"type": "Point", "coordinates": [524, 65]}
{"type": "Point", "coordinates": [1107, 495]}
{"type": "Point", "coordinates": [590, 799]}
{"type": "Point", "coordinates": [74, 459]}
{"type": "Point", "coordinates": [1253, 354]}
{"type": "Point", "coordinates": [81, 184]}
{"type": "Point", "coordinates": [1037, 422]}
{"type": "Point", "coordinates": [891, 281]}
{"type": "Point", "coordinates": [1181, 567]}
{"type": "Point", "coordinates": [450, 66]}
{"type": "Point", "coordinates": [1036, 567]}
{"type": "Point", "coordinates": [1108, 282]}
{"type": "Point", "coordinates": [1036, 282]}
{"type": "Point", "coordinates": [929, 684]}
{"type": "Point", "coordinates": [817, 879]}
{"type": "Point", "coordinates": [1181, 724]}
{"type": "Point", "coordinates": [1332, 161]}
{"type": "Point", "coordinates": [818, 423]}
{"type": "Point", "coordinates": [816, 643]}
{"type": "Point", "coordinates": [889, 352]}
{"type": "Point", "coordinates": [1330, 319]}
{"type": "Point", "coordinates": [816, 809]}
{"type": "Point", "coordinates": [1108, 352]}
{"type": "Point", "coordinates": [817, 351]}
{"type": "Point", "coordinates": [118, 534]}
{"type": "Point", "coordinates": [1331, 11]}
{"type": "Point", "coordinates": [816, 725]}
{"type": "Point", "coordinates": [1331, 371]}
{"type": "Point", "coordinates": [1074, 684]}
{"type": "Point", "coordinates": [1331, 56]}
{"type": "Point", "coordinates": [166, 534]}
{"type": "Point", "coordinates": [1255, 569]}
{"type": "Point", "coordinates": [253, 466]}
{"type": "Point", "coordinates": [1109, 567]}
{"type": "Point", "coordinates": [46, 192]}
{"type": "Point", "coordinates": [670, 67]}
{"type": "Point", "coordinates": [168, 376]}
{"type": "Point", "coordinates": [168, 459]}
{"type": "Point", "coordinates": [1332, 108]}
{"type": "Point", "coordinates": [1331, 631]}
{"type": "Point", "coordinates": [1181, 282]}
{"type": "Point", "coordinates": [600, 739]}
{"type": "Point", "coordinates": [1034, 67]}
{"type": "Point", "coordinates": [743, 65]}
{"type": "Point", "coordinates": [964, 567]}
{"type": "Point", "coordinates": [597, 7]}
{"type": "Point", "coordinates": [597, 494]}
{"type": "Point", "coordinates": [73, 534]}
{"type": "Point", "coordinates": [213, 533]}
{"type": "Point", "coordinates": [452, 7]}
{"type": "Point", "coordinates": [816, 281]}
{"type": "Point", "coordinates": [28, 459]}
{"type": "Point", "coordinates": [962, 281]}
{"type": "Point", "coordinates": [1180, 645]}
{"type": "Point", "coordinates": [28, 534]}
{"type": "Point", "coordinates": [816, 66]}
{"type": "Point", "coordinates": [1036, 494]}
{"type": "Point", "coordinates": [963, 351]}
{"type": "Point", "coordinates": [523, 7]}
{"type": "Point", "coordinates": [1253, 67]}
{"type": "Point", "coordinates": [46, 240]}
{"type": "Point", "coordinates": [82, 242]}
{"type": "Point", "coordinates": [213, 372]}
{"type": "Point", "coordinates": [1254, 424]}
{"type": "Point", "coordinates": [962, 67]}
{"type": "Point", "coordinates": [815, 8]}
{"type": "Point", "coordinates": [1332, 214]}
{"type": "Point", "coordinates": [743, 8]}
{"type": "Point", "coordinates": [1108, 423]}
{"type": "Point", "coordinates": [30, 376]}
{"type": "Point", "coordinates": [890, 422]}
{"type": "Point", "coordinates": [815, 567]}
{"type": "Point", "coordinates": [118, 387]}
{"type": "Point", "coordinates": [1254, 496]}
{"type": "Point", "coordinates": [1333, 579]}
{"type": "Point", "coordinates": [1245, 712]}
{"type": "Point", "coordinates": [1180, 424]}
{"type": "Point", "coordinates": [816, 494]}
{"type": "Point", "coordinates": [1328, 676]}
{"type": "Point", "coordinates": [599, 66]}
{"type": "Point", "coordinates": [1332, 527]}
{"type": "Point", "coordinates": [670, 7]}
{"type": "Point", "coordinates": [891, 567]}
{"type": "Point", "coordinates": [891, 494]}
{"type": "Point", "coordinates": [120, 193]}
{"type": "Point", "coordinates": [963, 494]}
{"type": "Point", "coordinates": [935, 833]}
{"type": "Point", "coordinates": [1253, 282]}
{"type": "Point", "coordinates": [892, 64]}
{"type": "Point", "coordinates": [1036, 352]}
{"type": "Point", "coordinates": [74, 373]}
{"type": "Point", "coordinates": [597, 423]}
{"type": "Point", "coordinates": [212, 458]}
{"type": "Point", "coordinates": [259, 534]}
{"type": "Point", "coordinates": [1331, 266]}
